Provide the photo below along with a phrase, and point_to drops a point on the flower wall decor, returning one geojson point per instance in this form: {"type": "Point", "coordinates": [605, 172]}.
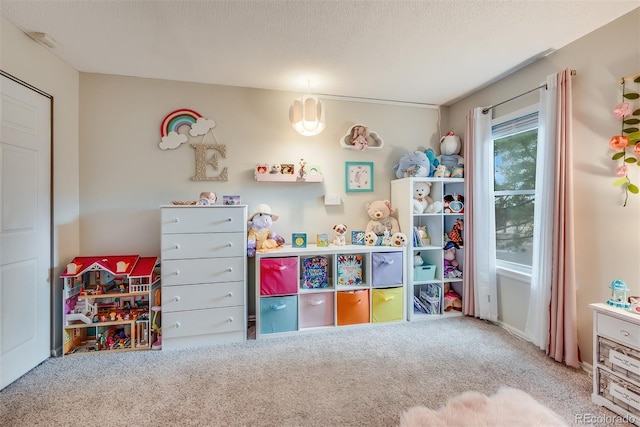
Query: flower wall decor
{"type": "Point", "coordinates": [627, 143]}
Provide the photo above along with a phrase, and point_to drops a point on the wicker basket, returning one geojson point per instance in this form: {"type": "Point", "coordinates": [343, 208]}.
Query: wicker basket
{"type": "Point", "coordinates": [184, 202]}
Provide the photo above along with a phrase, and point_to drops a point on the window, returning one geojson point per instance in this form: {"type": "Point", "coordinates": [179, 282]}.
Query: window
{"type": "Point", "coordinates": [515, 141]}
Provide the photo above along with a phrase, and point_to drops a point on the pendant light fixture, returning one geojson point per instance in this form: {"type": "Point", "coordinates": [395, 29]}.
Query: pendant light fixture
{"type": "Point", "coordinates": [307, 115]}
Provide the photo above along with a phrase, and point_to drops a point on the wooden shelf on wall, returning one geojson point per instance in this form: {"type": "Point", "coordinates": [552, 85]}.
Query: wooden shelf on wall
{"type": "Point", "coordinates": [278, 177]}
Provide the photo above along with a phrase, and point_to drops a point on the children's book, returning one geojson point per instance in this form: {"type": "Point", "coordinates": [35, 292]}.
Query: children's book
{"type": "Point", "coordinates": [299, 240]}
{"type": "Point", "coordinates": [357, 237]}
{"type": "Point", "coordinates": [314, 272]}
{"type": "Point", "coordinates": [322, 240]}
{"type": "Point", "coordinates": [350, 269]}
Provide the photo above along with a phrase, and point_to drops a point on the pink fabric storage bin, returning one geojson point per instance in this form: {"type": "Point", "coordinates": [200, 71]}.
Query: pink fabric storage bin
{"type": "Point", "coordinates": [278, 276]}
{"type": "Point", "coordinates": [316, 309]}
{"type": "Point", "coordinates": [387, 268]}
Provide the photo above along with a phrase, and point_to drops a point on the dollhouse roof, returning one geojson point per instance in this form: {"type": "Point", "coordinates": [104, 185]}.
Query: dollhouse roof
{"type": "Point", "coordinates": [119, 265]}
{"type": "Point", "coordinates": [144, 267]}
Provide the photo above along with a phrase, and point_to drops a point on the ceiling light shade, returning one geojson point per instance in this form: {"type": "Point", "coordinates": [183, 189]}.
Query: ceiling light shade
{"type": "Point", "coordinates": [307, 115]}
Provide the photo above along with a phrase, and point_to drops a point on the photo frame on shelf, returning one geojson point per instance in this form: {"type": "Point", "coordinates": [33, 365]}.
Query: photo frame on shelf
{"type": "Point", "coordinates": [358, 176]}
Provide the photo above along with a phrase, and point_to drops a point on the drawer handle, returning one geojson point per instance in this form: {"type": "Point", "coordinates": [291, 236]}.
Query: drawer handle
{"type": "Point", "coordinates": [176, 220]}
{"type": "Point", "coordinates": [316, 302]}
{"type": "Point", "coordinates": [278, 307]}
{"type": "Point", "coordinates": [230, 269]}
{"type": "Point", "coordinates": [230, 319]}
{"type": "Point", "coordinates": [624, 333]}
{"type": "Point", "coordinates": [176, 299]}
{"type": "Point", "coordinates": [177, 325]}
{"type": "Point", "coordinates": [387, 298]}
{"type": "Point", "coordinates": [176, 273]}
{"type": "Point", "coordinates": [278, 267]}
{"type": "Point", "coordinates": [230, 294]}
{"type": "Point", "coordinates": [176, 247]}
{"type": "Point", "coordinates": [229, 244]}
{"type": "Point", "coordinates": [229, 219]}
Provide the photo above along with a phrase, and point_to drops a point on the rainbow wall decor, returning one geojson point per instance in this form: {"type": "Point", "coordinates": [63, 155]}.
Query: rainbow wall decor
{"type": "Point", "coordinates": [178, 118]}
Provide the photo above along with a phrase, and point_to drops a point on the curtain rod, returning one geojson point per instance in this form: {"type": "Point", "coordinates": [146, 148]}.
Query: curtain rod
{"type": "Point", "coordinates": [486, 110]}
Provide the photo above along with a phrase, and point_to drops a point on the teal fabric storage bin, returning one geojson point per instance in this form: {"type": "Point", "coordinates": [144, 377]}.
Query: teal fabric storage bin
{"type": "Point", "coordinates": [278, 314]}
{"type": "Point", "coordinates": [424, 272]}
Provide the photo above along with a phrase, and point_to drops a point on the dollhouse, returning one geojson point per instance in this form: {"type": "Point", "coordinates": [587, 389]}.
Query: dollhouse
{"type": "Point", "coordinates": [108, 302]}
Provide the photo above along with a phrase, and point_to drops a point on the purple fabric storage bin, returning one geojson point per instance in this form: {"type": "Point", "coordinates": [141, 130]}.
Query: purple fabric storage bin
{"type": "Point", "coordinates": [278, 276]}
{"type": "Point", "coordinates": [316, 309]}
{"type": "Point", "coordinates": [387, 269]}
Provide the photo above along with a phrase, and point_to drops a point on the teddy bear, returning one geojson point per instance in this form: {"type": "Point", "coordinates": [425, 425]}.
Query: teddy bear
{"type": "Point", "coordinates": [450, 146]}
{"type": "Point", "coordinates": [370, 238]}
{"type": "Point", "coordinates": [415, 163]}
{"type": "Point", "coordinates": [422, 202]}
{"type": "Point", "coordinates": [380, 218]}
{"type": "Point", "coordinates": [451, 270]}
{"type": "Point", "coordinates": [340, 237]}
{"type": "Point", "coordinates": [260, 236]}
{"type": "Point", "coordinates": [398, 239]}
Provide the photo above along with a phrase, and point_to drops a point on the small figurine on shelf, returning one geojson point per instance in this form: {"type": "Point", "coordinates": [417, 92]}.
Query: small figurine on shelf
{"type": "Point", "coordinates": [360, 137]}
{"type": "Point", "coordinates": [618, 294]}
{"type": "Point", "coordinates": [340, 236]}
{"type": "Point", "coordinates": [301, 171]}
{"type": "Point", "coordinates": [207, 198]}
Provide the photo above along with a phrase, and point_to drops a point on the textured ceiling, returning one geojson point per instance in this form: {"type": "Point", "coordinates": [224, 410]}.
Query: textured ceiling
{"type": "Point", "coordinates": [430, 51]}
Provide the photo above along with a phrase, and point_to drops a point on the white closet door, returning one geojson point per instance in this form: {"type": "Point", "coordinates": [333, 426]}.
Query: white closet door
{"type": "Point", "coordinates": [25, 229]}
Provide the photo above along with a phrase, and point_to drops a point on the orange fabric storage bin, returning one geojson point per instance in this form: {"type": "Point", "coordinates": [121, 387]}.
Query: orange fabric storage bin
{"type": "Point", "coordinates": [353, 307]}
{"type": "Point", "coordinates": [386, 305]}
{"type": "Point", "coordinates": [278, 276]}
{"type": "Point", "coordinates": [316, 309]}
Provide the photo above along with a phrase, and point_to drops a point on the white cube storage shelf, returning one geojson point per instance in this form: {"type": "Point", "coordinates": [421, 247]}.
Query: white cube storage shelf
{"type": "Point", "coordinates": [315, 288]}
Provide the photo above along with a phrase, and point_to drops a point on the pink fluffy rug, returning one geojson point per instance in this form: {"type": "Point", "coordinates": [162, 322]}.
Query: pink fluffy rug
{"type": "Point", "coordinates": [508, 407]}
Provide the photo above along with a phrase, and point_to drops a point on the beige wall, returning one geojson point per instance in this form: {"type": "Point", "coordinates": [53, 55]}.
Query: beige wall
{"type": "Point", "coordinates": [125, 177]}
{"type": "Point", "coordinates": [26, 60]}
{"type": "Point", "coordinates": [607, 234]}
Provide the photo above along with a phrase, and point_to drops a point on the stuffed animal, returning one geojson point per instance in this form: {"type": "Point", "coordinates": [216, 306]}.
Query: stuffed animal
{"type": "Point", "coordinates": [442, 172]}
{"type": "Point", "coordinates": [414, 163]}
{"type": "Point", "coordinates": [451, 270]}
{"type": "Point", "coordinates": [398, 239]}
{"type": "Point", "coordinates": [450, 146]}
{"type": "Point", "coordinates": [456, 233]}
{"type": "Point", "coordinates": [433, 159]}
{"type": "Point", "coordinates": [417, 259]}
{"type": "Point", "coordinates": [207, 198]}
{"type": "Point", "coordinates": [340, 237]}
{"type": "Point", "coordinates": [360, 137]}
{"type": "Point", "coordinates": [422, 202]}
{"type": "Point", "coordinates": [260, 236]}
{"type": "Point", "coordinates": [451, 299]}
{"type": "Point", "coordinates": [380, 218]}
{"type": "Point", "coordinates": [370, 238]}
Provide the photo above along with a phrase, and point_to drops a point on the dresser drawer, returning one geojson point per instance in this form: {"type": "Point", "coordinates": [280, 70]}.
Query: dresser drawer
{"type": "Point", "coordinates": [192, 271]}
{"type": "Point", "coordinates": [618, 330]}
{"type": "Point", "coordinates": [203, 245]}
{"type": "Point", "coordinates": [203, 219]}
{"type": "Point", "coordinates": [197, 297]}
{"type": "Point", "coordinates": [201, 322]}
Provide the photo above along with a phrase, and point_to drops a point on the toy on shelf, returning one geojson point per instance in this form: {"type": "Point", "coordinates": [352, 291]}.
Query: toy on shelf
{"type": "Point", "coordinates": [260, 237]}
{"type": "Point", "coordinates": [451, 264]}
{"type": "Point", "coordinates": [450, 157]}
{"type": "Point", "coordinates": [286, 172]}
{"type": "Point", "coordinates": [360, 137]}
{"type": "Point", "coordinates": [422, 201]}
{"type": "Point", "coordinates": [340, 238]}
{"type": "Point", "coordinates": [207, 198]}
{"type": "Point", "coordinates": [414, 163]}
{"type": "Point", "coordinates": [451, 299]}
{"type": "Point", "coordinates": [619, 291]}
{"type": "Point", "coordinates": [456, 233]}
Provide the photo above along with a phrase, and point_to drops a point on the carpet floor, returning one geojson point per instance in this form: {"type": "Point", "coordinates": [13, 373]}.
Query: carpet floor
{"type": "Point", "coordinates": [349, 376]}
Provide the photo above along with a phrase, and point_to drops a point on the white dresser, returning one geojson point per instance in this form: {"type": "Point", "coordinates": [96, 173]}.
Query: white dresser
{"type": "Point", "coordinates": [616, 361]}
{"type": "Point", "coordinates": [204, 275]}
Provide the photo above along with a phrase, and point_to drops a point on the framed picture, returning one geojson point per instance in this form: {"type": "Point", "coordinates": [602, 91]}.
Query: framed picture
{"type": "Point", "coordinates": [358, 176]}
